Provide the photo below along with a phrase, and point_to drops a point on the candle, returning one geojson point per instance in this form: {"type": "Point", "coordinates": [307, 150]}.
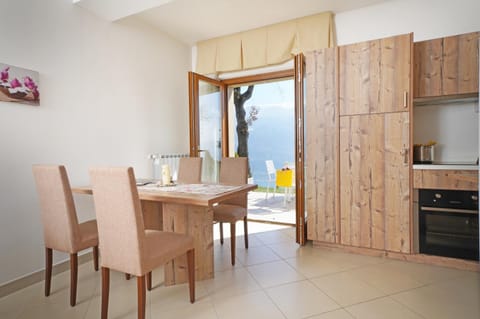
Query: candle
{"type": "Point", "coordinates": [166, 178]}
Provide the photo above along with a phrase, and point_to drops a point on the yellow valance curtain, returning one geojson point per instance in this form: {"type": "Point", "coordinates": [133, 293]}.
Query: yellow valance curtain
{"type": "Point", "coordinates": [264, 46]}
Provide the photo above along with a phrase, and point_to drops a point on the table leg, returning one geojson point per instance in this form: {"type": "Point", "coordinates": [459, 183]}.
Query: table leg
{"type": "Point", "coordinates": [197, 222]}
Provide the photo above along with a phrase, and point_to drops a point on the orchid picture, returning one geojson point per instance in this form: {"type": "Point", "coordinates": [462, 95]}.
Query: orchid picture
{"type": "Point", "coordinates": [19, 85]}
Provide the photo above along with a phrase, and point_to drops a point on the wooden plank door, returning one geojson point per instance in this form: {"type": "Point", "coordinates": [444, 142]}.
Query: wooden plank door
{"type": "Point", "coordinates": [362, 171]}
{"type": "Point", "coordinates": [375, 181]}
{"type": "Point", "coordinates": [375, 76]}
{"type": "Point", "coordinates": [321, 163]}
{"type": "Point", "coordinates": [446, 66]}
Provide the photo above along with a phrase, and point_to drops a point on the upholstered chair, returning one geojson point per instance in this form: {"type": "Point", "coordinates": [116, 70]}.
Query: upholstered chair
{"type": "Point", "coordinates": [190, 170]}
{"type": "Point", "coordinates": [61, 229]}
{"type": "Point", "coordinates": [233, 171]}
{"type": "Point", "coordinates": [125, 244]}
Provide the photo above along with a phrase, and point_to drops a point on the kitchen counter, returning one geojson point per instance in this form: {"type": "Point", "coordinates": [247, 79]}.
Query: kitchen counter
{"type": "Point", "coordinates": [456, 167]}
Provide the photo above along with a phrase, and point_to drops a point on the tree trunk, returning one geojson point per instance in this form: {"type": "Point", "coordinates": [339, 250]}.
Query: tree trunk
{"type": "Point", "coordinates": [239, 100]}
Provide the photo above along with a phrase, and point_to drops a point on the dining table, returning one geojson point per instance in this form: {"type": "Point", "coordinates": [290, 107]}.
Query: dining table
{"type": "Point", "coordinates": [185, 209]}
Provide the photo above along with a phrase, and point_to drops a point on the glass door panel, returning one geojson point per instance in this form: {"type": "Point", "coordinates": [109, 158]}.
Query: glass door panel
{"type": "Point", "coordinates": [207, 124]}
{"type": "Point", "coordinates": [210, 129]}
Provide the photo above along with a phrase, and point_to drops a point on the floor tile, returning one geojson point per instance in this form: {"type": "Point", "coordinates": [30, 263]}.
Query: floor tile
{"type": "Point", "coordinates": [274, 274]}
{"type": "Point", "coordinates": [336, 314]}
{"type": "Point", "coordinates": [301, 299]}
{"type": "Point", "coordinates": [197, 310]}
{"type": "Point", "coordinates": [454, 298]}
{"type": "Point", "coordinates": [252, 305]}
{"type": "Point", "coordinates": [230, 283]}
{"type": "Point", "coordinates": [385, 278]}
{"type": "Point", "coordinates": [273, 237]}
{"type": "Point", "coordinates": [346, 289]}
{"type": "Point", "coordinates": [425, 273]}
{"type": "Point", "coordinates": [313, 266]}
{"type": "Point", "coordinates": [256, 255]}
{"type": "Point", "coordinates": [380, 309]}
{"type": "Point", "coordinates": [55, 311]}
{"type": "Point", "coordinates": [11, 306]}
{"type": "Point", "coordinates": [291, 249]}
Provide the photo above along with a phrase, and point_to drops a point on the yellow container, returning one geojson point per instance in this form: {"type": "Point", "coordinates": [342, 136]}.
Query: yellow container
{"type": "Point", "coordinates": [285, 178]}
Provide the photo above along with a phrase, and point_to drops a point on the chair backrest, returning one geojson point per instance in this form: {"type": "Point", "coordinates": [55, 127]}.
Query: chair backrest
{"type": "Point", "coordinates": [59, 218]}
{"type": "Point", "coordinates": [190, 170]}
{"type": "Point", "coordinates": [271, 171]}
{"type": "Point", "coordinates": [119, 219]}
{"type": "Point", "coordinates": [234, 171]}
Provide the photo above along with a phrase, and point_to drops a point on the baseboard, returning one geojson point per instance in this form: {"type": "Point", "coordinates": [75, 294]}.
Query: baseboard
{"type": "Point", "coordinates": [417, 258]}
{"type": "Point", "coordinates": [33, 278]}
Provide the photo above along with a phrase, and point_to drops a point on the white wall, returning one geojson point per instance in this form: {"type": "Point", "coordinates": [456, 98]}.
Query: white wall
{"type": "Point", "coordinates": [111, 93]}
{"type": "Point", "coordinates": [453, 126]}
{"type": "Point", "coordinates": [427, 19]}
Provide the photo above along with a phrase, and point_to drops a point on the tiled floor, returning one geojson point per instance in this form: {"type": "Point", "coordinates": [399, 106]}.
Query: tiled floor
{"type": "Point", "coordinates": [274, 278]}
{"type": "Point", "coordinates": [266, 207]}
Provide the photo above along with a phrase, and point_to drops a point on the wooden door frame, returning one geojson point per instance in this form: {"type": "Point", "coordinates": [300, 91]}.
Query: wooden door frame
{"type": "Point", "coordinates": [301, 231]}
{"type": "Point", "coordinates": [193, 79]}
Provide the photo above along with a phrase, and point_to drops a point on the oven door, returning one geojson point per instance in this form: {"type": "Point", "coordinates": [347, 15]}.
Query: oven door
{"type": "Point", "coordinates": [448, 232]}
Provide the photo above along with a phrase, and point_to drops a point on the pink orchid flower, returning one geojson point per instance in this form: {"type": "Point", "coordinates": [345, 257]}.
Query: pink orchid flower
{"type": "Point", "coordinates": [4, 74]}
{"type": "Point", "coordinates": [15, 83]}
{"type": "Point", "coordinates": [29, 83]}
{"type": "Point", "coordinates": [36, 94]}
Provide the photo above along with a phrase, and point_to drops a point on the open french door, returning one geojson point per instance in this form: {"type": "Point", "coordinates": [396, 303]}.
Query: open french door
{"type": "Point", "coordinates": [208, 123]}
{"type": "Point", "coordinates": [209, 130]}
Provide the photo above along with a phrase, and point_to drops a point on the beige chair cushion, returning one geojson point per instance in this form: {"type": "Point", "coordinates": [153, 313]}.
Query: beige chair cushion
{"type": "Point", "coordinates": [226, 213]}
{"type": "Point", "coordinates": [161, 247]}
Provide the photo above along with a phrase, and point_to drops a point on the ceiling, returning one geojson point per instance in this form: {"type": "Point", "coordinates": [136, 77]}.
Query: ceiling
{"type": "Point", "coordinates": [190, 21]}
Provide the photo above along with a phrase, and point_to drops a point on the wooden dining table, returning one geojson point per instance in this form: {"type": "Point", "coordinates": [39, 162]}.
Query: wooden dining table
{"type": "Point", "coordinates": [186, 209]}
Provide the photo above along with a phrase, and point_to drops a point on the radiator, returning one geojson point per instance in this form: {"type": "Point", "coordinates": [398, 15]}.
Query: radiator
{"type": "Point", "coordinates": [171, 160]}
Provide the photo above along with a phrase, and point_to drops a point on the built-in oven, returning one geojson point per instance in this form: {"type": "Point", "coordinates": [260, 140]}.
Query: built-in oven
{"type": "Point", "coordinates": [448, 223]}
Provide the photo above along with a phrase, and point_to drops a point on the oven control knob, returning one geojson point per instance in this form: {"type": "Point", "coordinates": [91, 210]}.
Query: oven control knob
{"type": "Point", "coordinates": [437, 195]}
{"type": "Point", "coordinates": [474, 197]}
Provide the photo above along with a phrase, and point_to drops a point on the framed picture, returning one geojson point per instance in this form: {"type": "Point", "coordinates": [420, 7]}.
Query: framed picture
{"type": "Point", "coordinates": [19, 85]}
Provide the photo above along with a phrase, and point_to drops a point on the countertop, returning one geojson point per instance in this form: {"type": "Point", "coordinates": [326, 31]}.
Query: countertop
{"type": "Point", "coordinates": [455, 167]}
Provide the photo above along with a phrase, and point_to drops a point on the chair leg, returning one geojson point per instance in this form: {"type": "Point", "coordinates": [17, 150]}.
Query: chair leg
{"type": "Point", "coordinates": [142, 296]}
{"type": "Point", "coordinates": [105, 291]}
{"type": "Point", "coordinates": [221, 232]}
{"type": "Point", "coordinates": [191, 273]}
{"type": "Point", "coordinates": [127, 276]}
{"type": "Point", "coordinates": [149, 281]}
{"type": "Point", "coordinates": [245, 231]}
{"type": "Point", "coordinates": [48, 270]}
{"type": "Point", "coordinates": [95, 258]}
{"type": "Point", "coordinates": [232, 242]}
{"type": "Point", "coordinates": [73, 278]}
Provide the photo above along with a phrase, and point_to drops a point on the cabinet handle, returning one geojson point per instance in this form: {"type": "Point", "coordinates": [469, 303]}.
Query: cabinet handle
{"type": "Point", "coordinates": [405, 96]}
{"type": "Point", "coordinates": [404, 153]}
